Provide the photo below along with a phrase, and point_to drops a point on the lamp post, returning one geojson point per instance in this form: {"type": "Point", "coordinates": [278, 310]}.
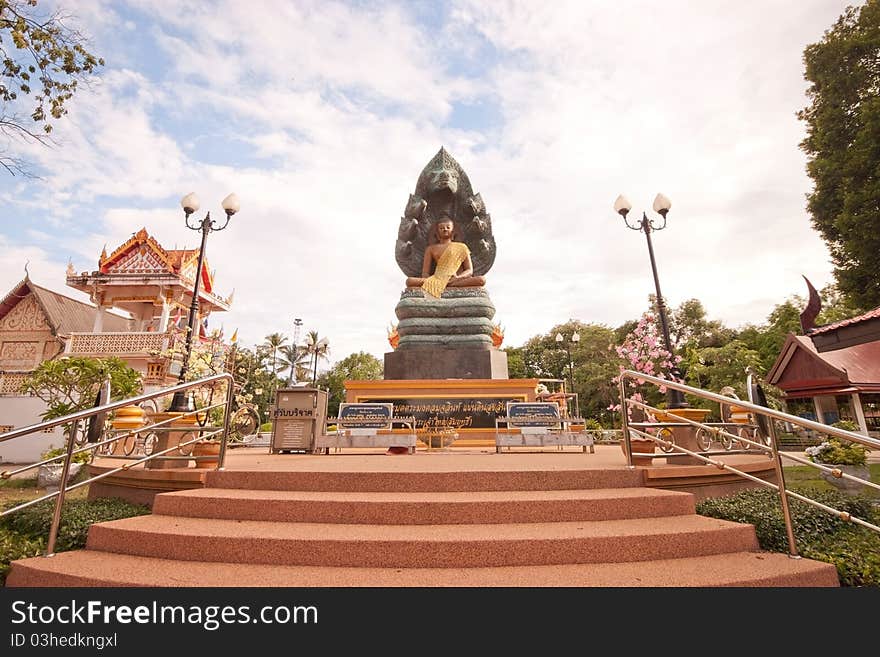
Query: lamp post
{"type": "Point", "coordinates": [319, 347]}
{"type": "Point", "coordinates": [297, 327]}
{"type": "Point", "coordinates": [181, 402]}
{"type": "Point", "coordinates": [560, 340]}
{"type": "Point", "coordinates": [662, 205]}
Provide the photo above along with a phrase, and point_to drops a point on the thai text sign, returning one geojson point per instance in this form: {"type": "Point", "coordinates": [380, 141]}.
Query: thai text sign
{"type": "Point", "coordinates": [365, 416]}
{"type": "Point", "coordinates": [533, 414]}
{"type": "Point", "coordinates": [450, 413]}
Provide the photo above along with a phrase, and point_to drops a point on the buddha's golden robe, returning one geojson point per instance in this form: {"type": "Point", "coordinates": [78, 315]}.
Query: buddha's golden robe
{"type": "Point", "coordinates": [448, 264]}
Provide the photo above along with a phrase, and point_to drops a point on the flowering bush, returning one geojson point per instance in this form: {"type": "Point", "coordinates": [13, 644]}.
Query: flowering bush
{"type": "Point", "coordinates": [838, 452]}
{"type": "Point", "coordinates": [643, 351]}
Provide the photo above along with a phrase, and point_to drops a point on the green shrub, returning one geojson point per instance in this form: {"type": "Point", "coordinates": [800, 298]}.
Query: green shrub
{"type": "Point", "coordinates": [846, 425]}
{"type": "Point", "coordinates": [820, 535]}
{"type": "Point", "coordinates": [266, 427]}
{"type": "Point", "coordinates": [80, 457]}
{"type": "Point", "coordinates": [837, 451]}
{"type": "Point", "coordinates": [592, 424]}
{"type": "Point", "coordinates": [13, 546]}
{"type": "Point", "coordinates": [34, 522]}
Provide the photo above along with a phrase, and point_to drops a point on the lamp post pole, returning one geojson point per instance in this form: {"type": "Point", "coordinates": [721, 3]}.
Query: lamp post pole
{"type": "Point", "coordinates": [182, 402]}
{"type": "Point", "coordinates": [560, 339]}
{"type": "Point", "coordinates": [662, 205]}
{"type": "Point", "coordinates": [297, 326]}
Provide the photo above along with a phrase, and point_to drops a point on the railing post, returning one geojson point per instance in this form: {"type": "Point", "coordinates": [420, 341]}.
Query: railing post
{"type": "Point", "coordinates": [627, 447]}
{"type": "Point", "coordinates": [783, 495]}
{"type": "Point", "coordinates": [227, 413]}
{"type": "Point", "coordinates": [59, 501]}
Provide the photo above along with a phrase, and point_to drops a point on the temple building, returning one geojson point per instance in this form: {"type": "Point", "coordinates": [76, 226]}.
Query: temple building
{"type": "Point", "coordinates": [140, 293]}
{"type": "Point", "coordinates": [832, 372]}
{"type": "Point", "coordinates": [154, 286]}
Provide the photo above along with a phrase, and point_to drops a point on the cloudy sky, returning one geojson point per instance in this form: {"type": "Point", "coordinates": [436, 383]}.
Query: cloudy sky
{"type": "Point", "coordinates": [321, 114]}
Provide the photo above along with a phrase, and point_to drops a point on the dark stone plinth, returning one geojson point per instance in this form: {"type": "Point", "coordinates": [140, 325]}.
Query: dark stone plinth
{"type": "Point", "coordinates": [446, 363]}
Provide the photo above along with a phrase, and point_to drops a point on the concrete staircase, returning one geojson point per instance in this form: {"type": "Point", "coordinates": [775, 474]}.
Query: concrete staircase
{"type": "Point", "coordinates": [536, 528]}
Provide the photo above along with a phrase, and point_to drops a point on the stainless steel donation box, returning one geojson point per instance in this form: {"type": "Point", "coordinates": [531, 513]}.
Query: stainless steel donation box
{"type": "Point", "coordinates": [298, 417]}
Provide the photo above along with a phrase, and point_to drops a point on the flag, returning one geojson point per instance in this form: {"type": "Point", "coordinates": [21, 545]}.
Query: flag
{"type": "Point", "coordinates": [814, 305]}
{"type": "Point", "coordinates": [178, 317]}
{"type": "Point", "coordinates": [234, 337]}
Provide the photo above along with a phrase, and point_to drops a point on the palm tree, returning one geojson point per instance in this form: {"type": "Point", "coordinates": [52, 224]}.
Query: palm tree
{"type": "Point", "coordinates": [295, 360]}
{"type": "Point", "coordinates": [272, 343]}
{"type": "Point", "coordinates": [318, 348]}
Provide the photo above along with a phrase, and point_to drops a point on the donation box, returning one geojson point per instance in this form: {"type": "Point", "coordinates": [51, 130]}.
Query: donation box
{"type": "Point", "coordinates": [297, 418]}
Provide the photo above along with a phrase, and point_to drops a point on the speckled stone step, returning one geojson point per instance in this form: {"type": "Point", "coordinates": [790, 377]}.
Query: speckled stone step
{"type": "Point", "coordinates": [92, 568]}
{"type": "Point", "coordinates": [487, 507]}
{"type": "Point", "coordinates": [426, 482]}
{"type": "Point", "coordinates": [420, 546]}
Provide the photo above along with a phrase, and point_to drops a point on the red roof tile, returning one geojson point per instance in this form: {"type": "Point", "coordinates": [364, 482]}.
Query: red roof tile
{"type": "Point", "coordinates": [871, 314]}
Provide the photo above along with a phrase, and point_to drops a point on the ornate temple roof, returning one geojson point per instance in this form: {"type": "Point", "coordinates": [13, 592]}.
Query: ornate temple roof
{"type": "Point", "coordinates": [65, 315]}
{"type": "Point", "coordinates": [142, 254]}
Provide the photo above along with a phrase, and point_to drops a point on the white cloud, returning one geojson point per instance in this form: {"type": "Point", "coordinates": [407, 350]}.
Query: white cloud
{"type": "Point", "coordinates": [321, 115]}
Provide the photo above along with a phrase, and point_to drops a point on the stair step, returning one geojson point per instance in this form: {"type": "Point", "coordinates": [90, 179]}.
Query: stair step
{"type": "Point", "coordinates": [418, 546]}
{"type": "Point", "coordinates": [425, 482]}
{"type": "Point", "coordinates": [490, 507]}
{"type": "Point", "coordinates": [92, 568]}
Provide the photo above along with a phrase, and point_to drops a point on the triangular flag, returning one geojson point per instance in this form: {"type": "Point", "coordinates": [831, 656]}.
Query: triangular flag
{"type": "Point", "coordinates": [234, 337]}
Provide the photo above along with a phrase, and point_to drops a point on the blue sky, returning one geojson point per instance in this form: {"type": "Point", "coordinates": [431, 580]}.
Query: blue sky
{"type": "Point", "coordinates": [321, 115]}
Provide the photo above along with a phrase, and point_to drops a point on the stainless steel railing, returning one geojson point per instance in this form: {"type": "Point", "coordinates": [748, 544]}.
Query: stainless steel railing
{"type": "Point", "coordinates": [100, 411]}
{"type": "Point", "coordinates": [767, 442]}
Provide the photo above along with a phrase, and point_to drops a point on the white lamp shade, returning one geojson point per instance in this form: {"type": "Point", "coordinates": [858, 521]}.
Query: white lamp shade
{"type": "Point", "coordinates": [231, 204]}
{"type": "Point", "coordinates": [190, 203]}
{"type": "Point", "coordinates": [575, 337]}
{"type": "Point", "coordinates": [662, 204]}
{"type": "Point", "coordinates": [622, 205]}
{"type": "Point", "coordinates": [559, 337]}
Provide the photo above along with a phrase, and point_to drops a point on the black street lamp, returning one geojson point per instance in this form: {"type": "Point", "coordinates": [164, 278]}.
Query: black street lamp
{"type": "Point", "coordinates": [182, 402]}
{"type": "Point", "coordinates": [575, 338]}
{"type": "Point", "coordinates": [662, 205]}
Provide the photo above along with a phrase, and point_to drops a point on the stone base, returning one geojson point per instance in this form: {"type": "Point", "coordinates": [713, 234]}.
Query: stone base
{"type": "Point", "coordinates": [446, 363]}
{"type": "Point", "coordinates": [467, 407]}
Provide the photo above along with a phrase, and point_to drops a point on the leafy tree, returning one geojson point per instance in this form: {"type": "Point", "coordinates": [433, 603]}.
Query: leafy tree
{"type": "Point", "coordinates": [272, 345]}
{"type": "Point", "coordinates": [593, 363]}
{"type": "Point", "coordinates": [256, 381]}
{"type": "Point", "coordinates": [295, 360]}
{"type": "Point", "coordinates": [712, 368]}
{"type": "Point", "coordinates": [44, 60]}
{"type": "Point", "coordinates": [767, 339]}
{"type": "Point", "coordinates": [690, 328]}
{"type": "Point", "coordinates": [360, 366]}
{"type": "Point", "coordinates": [516, 366]}
{"type": "Point", "coordinates": [843, 148]}
{"type": "Point", "coordinates": [68, 385]}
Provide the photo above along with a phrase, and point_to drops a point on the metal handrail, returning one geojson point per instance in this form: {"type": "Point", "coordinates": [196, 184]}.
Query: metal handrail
{"type": "Point", "coordinates": [772, 450]}
{"type": "Point", "coordinates": [105, 408]}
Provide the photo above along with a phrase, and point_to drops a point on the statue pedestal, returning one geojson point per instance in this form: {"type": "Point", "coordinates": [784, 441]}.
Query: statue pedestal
{"type": "Point", "coordinates": [467, 407]}
{"type": "Point", "coordinates": [437, 362]}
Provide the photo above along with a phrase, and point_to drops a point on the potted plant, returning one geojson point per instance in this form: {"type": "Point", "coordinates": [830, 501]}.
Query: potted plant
{"type": "Point", "coordinates": [843, 456]}
{"type": "Point", "coordinates": [49, 474]}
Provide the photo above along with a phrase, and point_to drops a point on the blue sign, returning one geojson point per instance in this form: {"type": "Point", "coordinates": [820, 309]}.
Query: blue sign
{"type": "Point", "coordinates": [366, 416]}
{"type": "Point", "coordinates": [533, 414]}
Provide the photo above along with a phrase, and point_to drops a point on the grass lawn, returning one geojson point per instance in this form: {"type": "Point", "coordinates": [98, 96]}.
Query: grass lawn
{"type": "Point", "coordinates": [808, 477]}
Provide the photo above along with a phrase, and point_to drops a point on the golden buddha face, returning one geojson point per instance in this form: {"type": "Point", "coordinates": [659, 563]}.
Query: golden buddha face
{"type": "Point", "coordinates": [444, 229]}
